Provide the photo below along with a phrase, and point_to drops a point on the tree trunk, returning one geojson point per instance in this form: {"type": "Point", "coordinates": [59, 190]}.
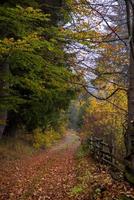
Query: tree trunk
{"type": "Point", "coordinates": [129, 161]}
{"type": "Point", "coordinates": [13, 124]}
{"type": "Point", "coordinates": [4, 71]}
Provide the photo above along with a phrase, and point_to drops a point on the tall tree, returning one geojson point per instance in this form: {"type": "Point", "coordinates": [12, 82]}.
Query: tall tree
{"type": "Point", "coordinates": [130, 129]}
{"type": "Point", "coordinates": [35, 86]}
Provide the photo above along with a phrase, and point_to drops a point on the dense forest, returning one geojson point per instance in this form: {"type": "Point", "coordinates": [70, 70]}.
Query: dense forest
{"type": "Point", "coordinates": [34, 69]}
{"type": "Point", "coordinates": [68, 67]}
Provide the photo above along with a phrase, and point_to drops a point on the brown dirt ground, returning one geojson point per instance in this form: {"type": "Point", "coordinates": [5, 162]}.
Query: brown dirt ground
{"type": "Point", "coordinates": [49, 175]}
{"type": "Point", "coordinates": [52, 174]}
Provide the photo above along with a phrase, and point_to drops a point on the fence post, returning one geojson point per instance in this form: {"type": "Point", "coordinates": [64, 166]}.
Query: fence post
{"type": "Point", "coordinates": [113, 154]}
{"type": "Point", "coordinates": [101, 151]}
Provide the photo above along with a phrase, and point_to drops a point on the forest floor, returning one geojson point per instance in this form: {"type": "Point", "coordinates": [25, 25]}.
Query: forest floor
{"type": "Point", "coordinates": [61, 173]}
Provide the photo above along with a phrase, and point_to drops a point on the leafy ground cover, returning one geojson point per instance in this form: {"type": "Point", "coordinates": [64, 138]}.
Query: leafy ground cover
{"type": "Point", "coordinates": [96, 182]}
{"type": "Point", "coordinates": [63, 172]}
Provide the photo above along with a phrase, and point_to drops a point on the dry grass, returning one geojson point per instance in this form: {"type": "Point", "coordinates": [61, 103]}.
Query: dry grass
{"type": "Point", "coordinates": [17, 147]}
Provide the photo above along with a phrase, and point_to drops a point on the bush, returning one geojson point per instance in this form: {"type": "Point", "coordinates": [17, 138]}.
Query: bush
{"type": "Point", "coordinates": [45, 139]}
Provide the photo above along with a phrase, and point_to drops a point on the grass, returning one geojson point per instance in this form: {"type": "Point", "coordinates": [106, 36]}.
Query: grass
{"type": "Point", "coordinates": [90, 182]}
{"type": "Point", "coordinates": [81, 152]}
{"type": "Point", "coordinates": [83, 176]}
{"type": "Point", "coordinates": [76, 190]}
{"type": "Point", "coordinates": [126, 198]}
{"type": "Point", "coordinates": [12, 148]}
{"type": "Point", "coordinates": [15, 148]}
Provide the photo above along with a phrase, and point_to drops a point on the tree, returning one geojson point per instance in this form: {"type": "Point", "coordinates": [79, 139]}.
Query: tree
{"type": "Point", "coordinates": [104, 13]}
{"type": "Point", "coordinates": [36, 86]}
{"type": "Point", "coordinates": [17, 38]}
{"type": "Point", "coordinates": [130, 129]}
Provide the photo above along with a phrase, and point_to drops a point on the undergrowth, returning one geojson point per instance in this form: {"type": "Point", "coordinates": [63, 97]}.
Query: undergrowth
{"type": "Point", "coordinates": [46, 139]}
{"type": "Point", "coordinates": [16, 147]}
{"type": "Point", "coordinates": [83, 176]}
{"type": "Point", "coordinates": [95, 182]}
{"type": "Point", "coordinates": [26, 144]}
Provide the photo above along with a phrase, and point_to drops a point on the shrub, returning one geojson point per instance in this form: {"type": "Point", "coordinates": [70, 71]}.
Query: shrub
{"type": "Point", "coordinates": [45, 139]}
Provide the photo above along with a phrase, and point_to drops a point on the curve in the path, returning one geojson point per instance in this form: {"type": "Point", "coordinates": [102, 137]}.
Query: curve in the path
{"type": "Point", "coordinates": [48, 175]}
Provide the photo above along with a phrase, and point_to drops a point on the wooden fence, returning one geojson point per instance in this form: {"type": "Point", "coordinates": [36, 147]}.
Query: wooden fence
{"type": "Point", "coordinates": [104, 153]}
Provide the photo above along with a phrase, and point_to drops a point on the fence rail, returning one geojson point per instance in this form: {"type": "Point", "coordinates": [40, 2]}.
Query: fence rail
{"type": "Point", "coordinates": [104, 153]}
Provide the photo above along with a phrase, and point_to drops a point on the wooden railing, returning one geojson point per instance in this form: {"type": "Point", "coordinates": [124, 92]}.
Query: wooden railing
{"type": "Point", "coordinates": [104, 153]}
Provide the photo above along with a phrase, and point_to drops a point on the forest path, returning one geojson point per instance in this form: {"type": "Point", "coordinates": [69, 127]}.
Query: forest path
{"type": "Point", "coordinates": [48, 175]}
{"type": "Point", "coordinates": [62, 172]}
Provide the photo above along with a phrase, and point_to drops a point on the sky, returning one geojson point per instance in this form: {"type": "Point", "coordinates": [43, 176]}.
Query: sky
{"type": "Point", "coordinates": [101, 19]}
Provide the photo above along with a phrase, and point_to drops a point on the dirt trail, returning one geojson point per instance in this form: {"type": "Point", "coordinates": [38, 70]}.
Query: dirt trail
{"type": "Point", "coordinates": [56, 173]}
{"type": "Point", "coordinates": [48, 175]}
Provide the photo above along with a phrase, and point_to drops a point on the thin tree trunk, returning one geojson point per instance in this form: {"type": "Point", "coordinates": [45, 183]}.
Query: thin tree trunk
{"type": "Point", "coordinates": [4, 71]}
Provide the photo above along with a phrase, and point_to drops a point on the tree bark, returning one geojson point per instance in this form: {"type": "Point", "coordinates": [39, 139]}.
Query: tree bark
{"type": "Point", "coordinates": [4, 71]}
{"type": "Point", "coordinates": [129, 160]}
